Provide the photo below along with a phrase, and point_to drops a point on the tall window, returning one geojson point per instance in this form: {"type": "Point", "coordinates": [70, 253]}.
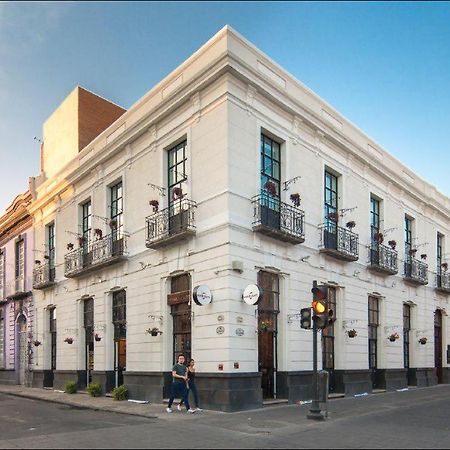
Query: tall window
{"type": "Point", "coordinates": [180, 309]}
{"type": "Point", "coordinates": [373, 323]}
{"type": "Point", "coordinates": [328, 335]}
{"type": "Point", "coordinates": [117, 210]}
{"type": "Point", "coordinates": [88, 316]}
{"type": "Point", "coordinates": [374, 218]}
{"type": "Point", "coordinates": [53, 337]}
{"type": "Point", "coordinates": [51, 250]}
{"type": "Point", "coordinates": [439, 246]}
{"type": "Point", "coordinates": [119, 313]}
{"type": "Point", "coordinates": [408, 237]}
{"type": "Point", "coordinates": [86, 224]}
{"type": "Point", "coordinates": [406, 333]}
{"type": "Point", "coordinates": [2, 275]}
{"type": "Point", "coordinates": [2, 331]}
{"type": "Point", "coordinates": [331, 197]}
{"type": "Point", "coordinates": [20, 265]}
{"type": "Point", "coordinates": [270, 165]}
{"type": "Point", "coordinates": [177, 168]}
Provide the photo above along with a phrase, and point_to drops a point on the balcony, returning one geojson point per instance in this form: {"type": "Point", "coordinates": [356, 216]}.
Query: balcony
{"type": "Point", "coordinates": [279, 220]}
{"type": "Point", "coordinates": [43, 276]}
{"type": "Point", "coordinates": [383, 259]}
{"type": "Point", "coordinates": [443, 282]}
{"type": "Point", "coordinates": [16, 289]}
{"type": "Point", "coordinates": [416, 271]}
{"type": "Point", "coordinates": [338, 242]}
{"type": "Point", "coordinates": [95, 255]}
{"type": "Point", "coordinates": [171, 224]}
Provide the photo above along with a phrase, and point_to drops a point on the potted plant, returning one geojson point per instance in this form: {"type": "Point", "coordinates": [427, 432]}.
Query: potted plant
{"type": "Point", "coordinates": [177, 193]}
{"type": "Point", "coordinates": [36, 343]}
{"type": "Point", "coordinates": [155, 205]}
{"type": "Point", "coordinates": [99, 233]}
{"type": "Point", "coordinates": [97, 337]}
{"type": "Point", "coordinates": [70, 246]}
{"type": "Point", "coordinates": [352, 333]}
{"type": "Point", "coordinates": [423, 340]}
{"type": "Point", "coordinates": [37, 261]}
{"type": "Point", "coordinates": [413, 252]}
{"type": "Point", "coordinates": [113, 223]}
{"type": "Point", "coordinates": [271, 188]}
{"type": "Point", "coordinates": [444, 266]}
{"type": "Point", "coordinates": [350, 225]}
{"type": "Point", "coordinates": [423, 256]}
{"type": "Point", "coordinates": [81, 241]}
{"type": "Point", "coordinates": [393, 337]}
{"type": "Point", "coordinates": [69, 340]}
{"type": "Point", "coordinates": [392, 244]}
{"type": "Point", "coordinates": [334, 216]}
{"type": "Point", "coordinates": [265, 325]}
{"type": "Point", "coordinates": [379, 237]}
{"type": "Point", "coordinates": [154, 331]}
{"type": "Point", "coordinates": [295, 199]}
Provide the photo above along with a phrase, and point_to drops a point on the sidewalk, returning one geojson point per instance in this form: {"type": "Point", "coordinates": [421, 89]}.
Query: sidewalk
{"type": "Point", "coordinates": [82, 400]}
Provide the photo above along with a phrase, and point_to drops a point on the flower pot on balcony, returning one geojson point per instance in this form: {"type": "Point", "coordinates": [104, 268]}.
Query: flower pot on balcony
{"type": "Point", "coordinates": [352, 333]}
{"type": "Point", "coordinates": [392, 244]}
{"type": "Point", "coordinates": [69, 340]}
{"type": "Point", "coordinates": [177, 193]}
{"type": "Point", "coordinates": [98, 233]}
{"type": "Point", "coordinates": [378, 237]}
{"type": "Point", "coordinates": [444, 266]}
{"type": "Point", "coordinates": [271, 188]}
{"type": "Point", "coordinates": [69, 246]}
{"type": "Point", "coordinates": [113, 224]}
{"type": "Point", "coordinates": [36, 343]}
{"type": "Point", "coordinates": [334, 216]}
{"type": "Point", "coordinates": [350, 225]}
{"type": "Point", "coordinates": [295, 199]}
{"type": "Point", "coordinates": [37, 261]}
{"type": "Point", "coordinates": [423, 256]}
{"type": "Point", "coordinates": [155, 205]}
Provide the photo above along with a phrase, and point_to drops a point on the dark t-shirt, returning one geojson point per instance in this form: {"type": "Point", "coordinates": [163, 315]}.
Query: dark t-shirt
{"type": "Point", "coordinates": [179, 369]}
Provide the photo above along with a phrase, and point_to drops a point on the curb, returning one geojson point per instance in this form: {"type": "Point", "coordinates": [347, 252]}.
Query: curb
{"type": "Point", "coordinates": [76, 405]}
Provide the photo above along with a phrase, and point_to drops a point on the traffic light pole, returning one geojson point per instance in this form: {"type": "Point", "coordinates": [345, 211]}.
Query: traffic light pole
{"type": "Point", "coordinates": [314, 410]}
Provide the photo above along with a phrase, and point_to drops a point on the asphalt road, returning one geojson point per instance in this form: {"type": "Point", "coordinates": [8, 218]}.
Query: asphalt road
{"type": "Point", "coordinates": [418, 418]}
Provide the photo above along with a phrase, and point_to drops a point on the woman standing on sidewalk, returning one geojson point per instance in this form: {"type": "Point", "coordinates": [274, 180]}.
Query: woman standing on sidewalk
{"type": "Point", "coordinates": [191, 385]}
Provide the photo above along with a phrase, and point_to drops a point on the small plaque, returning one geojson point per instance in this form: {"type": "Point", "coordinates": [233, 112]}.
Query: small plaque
{"type": "Point", "coordinates": [239, 319]}
{"type": "Point", "coordinates": [220, 330]}
{"type": "Point", "coordinates": [220, 318]}
{"type": "Point", "coordinates": [239, 332]}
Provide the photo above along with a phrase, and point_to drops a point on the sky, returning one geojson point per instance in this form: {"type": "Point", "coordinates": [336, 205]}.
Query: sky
{"type": "Point", "coordinates": [384, 65]}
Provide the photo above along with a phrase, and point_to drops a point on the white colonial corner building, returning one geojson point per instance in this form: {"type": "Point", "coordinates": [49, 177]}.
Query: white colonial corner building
{"type": "Point", "coordinates": [231, 173]}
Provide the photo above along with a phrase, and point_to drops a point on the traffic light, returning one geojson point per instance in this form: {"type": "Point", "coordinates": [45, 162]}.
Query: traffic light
{"type": "Point", "coordinates": [305, 318]}
{"type": "Point", "coordinates": [321, 313]}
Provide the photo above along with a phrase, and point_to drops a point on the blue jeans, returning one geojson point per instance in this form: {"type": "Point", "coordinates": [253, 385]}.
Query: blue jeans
{"type": "Point", "coordinates": [179, 389]}
{"type": "Point", "coordinates": [193, 389]}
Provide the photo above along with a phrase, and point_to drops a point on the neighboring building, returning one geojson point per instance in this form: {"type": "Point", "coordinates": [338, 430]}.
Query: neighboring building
{"type": "Point", "coordinates": [16, 300]}
{"type": "Point", "coordinates": [192, 186]}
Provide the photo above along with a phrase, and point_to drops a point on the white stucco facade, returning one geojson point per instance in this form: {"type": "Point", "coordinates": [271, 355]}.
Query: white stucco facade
{"type": "Point", "coordinates": [220, 101]}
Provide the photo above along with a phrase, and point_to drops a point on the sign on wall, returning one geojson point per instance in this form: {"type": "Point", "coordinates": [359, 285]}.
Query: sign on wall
{"type": "Point", "coordinates": [202, 295]}
{"type": "Point", "coordinates": [252, 294]}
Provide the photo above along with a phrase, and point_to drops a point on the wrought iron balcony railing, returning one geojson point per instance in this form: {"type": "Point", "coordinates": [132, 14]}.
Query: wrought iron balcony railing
{"type": "Point", "coordinates": [383, 258]}
{"type": "Point", "coordinates": [416, 271]}
{"type": "Point", "coordinates": [16, 288]}
{"type": "Point", "coordinates": [338, 241]}
{"type": "Point", "coordinates": [94, 255]}
{"type": "Point", "coordinates": [443, 281]}
{"type": "Point", "coordinates": [274, 218]}
{"type": "Point", "coordinates": [171, 224]}
{"type": "Point", "coordinates": [43, 276]}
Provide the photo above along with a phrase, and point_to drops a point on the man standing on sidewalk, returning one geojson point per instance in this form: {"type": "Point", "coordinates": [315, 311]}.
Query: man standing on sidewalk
{"type": "Point", "coordinates": [179, 384]}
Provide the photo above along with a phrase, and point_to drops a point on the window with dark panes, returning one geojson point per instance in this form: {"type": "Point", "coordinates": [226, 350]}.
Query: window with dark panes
{"type": "Point", "coordinates": [406, 334]}
{"type": "Point", "coordinates": [86, 223]}
{"type": "Point", "coordinates": [328, 334]}
{"type": "Point", "coordinates": [52, 317]}
{"type": "Point", "coordinates": [181, 317]}
{"type": "Point", "coordinates": [2, 275]}
{"type": "Point", "coordinates": [20, 259]}
{"type": "Point", "coordinates": [374, 218]}
{"type": "Point", "coordinates": [270, 165]}
{"type": "Point", "coordinates": [330, 197]}
{"type": "Point", "coordinates": [116, 208]}
{"type": "Point", "coordinates": [373, 324]}
{"type": "Point", "coordinates": [439, 245]}
{"type": "Point", "coordinates": [2, 330]}
{"type": "Point", "coordinates": [177, 169]}
{"type": "Point", "coordinates": [408, 245]}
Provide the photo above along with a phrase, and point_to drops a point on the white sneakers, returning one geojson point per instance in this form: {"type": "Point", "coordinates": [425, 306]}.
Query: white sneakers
{"type": "Point", "coordinates": [198, 409]}
{"type": "Point", "coordinates": [179, 407]}
{"type": "Point", "coordinates": [191, 411]}
{"type": "Point", "coordinates": [169, 410]}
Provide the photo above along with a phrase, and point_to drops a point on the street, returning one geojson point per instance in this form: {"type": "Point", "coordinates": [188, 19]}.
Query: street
{"type": "Point", "coordinates": [417, 418]}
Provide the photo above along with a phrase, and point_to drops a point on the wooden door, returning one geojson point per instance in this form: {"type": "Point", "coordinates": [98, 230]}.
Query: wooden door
{"type": "Point", "coordinates": [23, 353]}
{"type": "Point", "coordinates": [438, 344]}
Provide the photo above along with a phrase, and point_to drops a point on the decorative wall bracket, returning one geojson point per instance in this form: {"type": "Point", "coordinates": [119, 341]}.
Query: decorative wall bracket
{"type": "Point", "coordinates": [288, 182]}
{"type": "Point", "coordinates": [161, 190]}
{"type": "Point", "coordinates": [349, 323]}
{"type": "Point", "coordinates": [293, 317]}
{"type": "Point", "coordinates": [156, 318]}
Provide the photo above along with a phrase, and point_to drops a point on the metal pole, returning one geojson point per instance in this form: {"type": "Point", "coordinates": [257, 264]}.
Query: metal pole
{"type": "Point", "coordinates": [314, 411]}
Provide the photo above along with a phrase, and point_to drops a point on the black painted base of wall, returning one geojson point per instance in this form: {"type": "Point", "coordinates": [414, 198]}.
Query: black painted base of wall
{"type": "Point", "coordinates": [352, 382]}
{"type": "Point", "coordinates": [106, 379]}
{"type": "Point", "coordinates": [446, 375]}
{"type": "Point", "coordinates": [7, 376]}
{"type": "Point", "coordinates": [422, 377]}
{"type": "Point", "coordinates": [42, 378]}
{"type": "Point", "coordinates": [61, 377]}
{"type": "Point", "coordinates": [144, 385]}
{"type": "Point", "coordinates": [391, 379]}
{"type": "Point", "coordinates": [294, 386]}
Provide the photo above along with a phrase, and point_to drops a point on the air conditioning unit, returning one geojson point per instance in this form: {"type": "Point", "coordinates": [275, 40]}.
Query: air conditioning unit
{"type": "Point", "coordinates": [237, 266]}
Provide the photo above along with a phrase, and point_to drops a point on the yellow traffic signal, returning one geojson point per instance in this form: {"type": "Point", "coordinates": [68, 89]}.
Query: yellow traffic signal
{"type": "Point", "coordinates": [319, 305]}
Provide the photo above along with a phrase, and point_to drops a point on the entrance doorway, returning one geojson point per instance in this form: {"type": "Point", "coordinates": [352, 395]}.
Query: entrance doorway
{"type": "Point", "coordinates": [438, 344]}
{"type": "Point", "coordinates": [22, 350]}
{"type": "Point", "coordinates": [120, 335]}
{"type": "Point", "coordinates": [373, 324]}
{"type": "Point", "coordinates": [48, 378]}
{"type": "Point", "coordinates": [268, 310]}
